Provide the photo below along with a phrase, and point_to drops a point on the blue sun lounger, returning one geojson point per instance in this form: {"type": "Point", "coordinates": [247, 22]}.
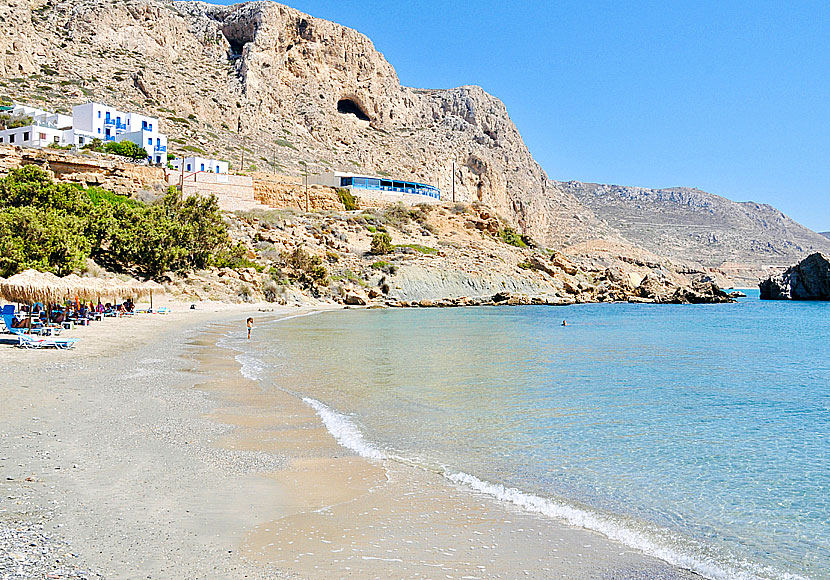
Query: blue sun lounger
{"type": "Point", "coordinates": [29, 341]}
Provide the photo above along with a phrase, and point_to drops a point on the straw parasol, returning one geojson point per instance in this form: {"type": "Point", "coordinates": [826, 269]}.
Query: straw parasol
{"type": "Point", "coordinates": [153, 286]}
{"type": "Point", "coordinates": [83, 288]}
{"type": "Point", "coordinates": [33, 286]}
{"type": "Point", "coordinates": [135, 289]}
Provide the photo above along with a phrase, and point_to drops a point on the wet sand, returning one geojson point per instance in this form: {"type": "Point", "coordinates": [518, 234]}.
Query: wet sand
{"type": "Point", "coordinates": [151, 456]}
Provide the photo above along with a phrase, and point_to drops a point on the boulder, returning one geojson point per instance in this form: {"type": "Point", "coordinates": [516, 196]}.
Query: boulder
{"type": "Point", "coordinates": [807, 280]}
{"type": "Point", "coordinates": [354, 299]}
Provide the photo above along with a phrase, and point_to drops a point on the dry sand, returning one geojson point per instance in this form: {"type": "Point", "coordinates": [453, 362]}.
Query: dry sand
{"type": "Point", "coordinates": [144, 453]}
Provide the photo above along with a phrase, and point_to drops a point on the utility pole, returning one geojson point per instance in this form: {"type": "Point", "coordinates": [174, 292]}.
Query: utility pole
{"type": "Point", "coordinates": [453, 181]}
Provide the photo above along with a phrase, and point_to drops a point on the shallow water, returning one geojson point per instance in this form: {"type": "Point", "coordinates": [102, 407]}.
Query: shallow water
{"type": "Point", "coordinates": [700, 434]}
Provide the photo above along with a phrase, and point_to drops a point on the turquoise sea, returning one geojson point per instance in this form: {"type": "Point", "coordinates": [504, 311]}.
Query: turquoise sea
{"type": "Point", "coordinates": [700, 434]}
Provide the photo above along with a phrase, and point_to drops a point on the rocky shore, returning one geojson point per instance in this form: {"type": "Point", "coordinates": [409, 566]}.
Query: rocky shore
{"type": "Point", "coordinates": [807, 280]}
{"type": "Point", "coordinates": [447, 255]}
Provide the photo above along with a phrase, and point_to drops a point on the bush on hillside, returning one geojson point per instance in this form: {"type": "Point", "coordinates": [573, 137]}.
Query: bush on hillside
{"type": "Point", "coordinates": [347, 199]}
{"type": "Point", "coordinates": [381, 244]}
{"type": "Point", "coordinates": [56, 227]}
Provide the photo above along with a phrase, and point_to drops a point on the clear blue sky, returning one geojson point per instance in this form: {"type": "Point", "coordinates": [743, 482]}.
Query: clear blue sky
{"type": "Point", "coordinates": [730, 97]}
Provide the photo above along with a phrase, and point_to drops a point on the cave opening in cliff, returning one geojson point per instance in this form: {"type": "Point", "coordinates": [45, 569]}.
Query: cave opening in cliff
{"type": "Point", "coordinates": [237, 37]}
{"type": "Point", "coordinates": [349, 107]}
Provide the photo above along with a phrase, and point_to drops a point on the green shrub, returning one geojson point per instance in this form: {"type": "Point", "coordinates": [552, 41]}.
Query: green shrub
{"type": "Point", "coordinates": [56, 227]}
{"type": "Point", "coordinates": [510, 236]}
{"type": "Point", "coordinates": [381, 244]}
{"type": "Point", "coordinates": [126, 149]}
{"type": "Point", "coordinates": [9, 122]}
{"type": "Point", "coordinates": [347, 199]}
{"type": "Point", "coordinates": [301, 267]}
{"type": "Point", "coordinates": [418, 248]}
{"type": "Point", "coordinates": [384, 266]}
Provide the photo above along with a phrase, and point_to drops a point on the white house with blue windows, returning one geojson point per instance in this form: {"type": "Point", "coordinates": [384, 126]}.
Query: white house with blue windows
{"type": "Point", "coordinates": [89, 121]}
{"type": "Point", "coordinates": [94, 120]}
{"type": "Point", "coordinates": [197, 164]}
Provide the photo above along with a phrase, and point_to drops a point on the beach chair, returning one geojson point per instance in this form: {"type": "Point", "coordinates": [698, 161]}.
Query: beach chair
{"type": "Point", "coordinates": [8, 317]}
{"type": "Point", "coordinates": [29, 341]}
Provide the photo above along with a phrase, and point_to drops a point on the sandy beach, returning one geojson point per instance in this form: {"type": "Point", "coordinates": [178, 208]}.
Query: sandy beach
{"type": "Point", "coordinates": [145, 453]}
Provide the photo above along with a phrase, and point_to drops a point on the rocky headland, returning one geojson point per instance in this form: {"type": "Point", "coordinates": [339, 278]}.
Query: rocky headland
{"type": "Point", "coordinates": [807, 280]}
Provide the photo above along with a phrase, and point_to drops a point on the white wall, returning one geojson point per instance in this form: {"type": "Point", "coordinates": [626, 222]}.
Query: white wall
{"type": "Point", "coordinates": [194, 164]}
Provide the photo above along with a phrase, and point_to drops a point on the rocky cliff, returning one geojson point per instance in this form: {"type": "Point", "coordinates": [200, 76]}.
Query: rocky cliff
{"type": "Point", "coordinates": [284, 90]}
{"type": "Point", "coordinates": [270, 88]}
{"type": "Point", "coordinates": [744, 239]}
{"type": "Point", "coordinates": [807, 280]}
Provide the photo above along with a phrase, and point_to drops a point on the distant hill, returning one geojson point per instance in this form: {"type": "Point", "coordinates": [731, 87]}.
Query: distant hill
{"type": "Point", "coordinates": [689, 224]}
{"type": "Point", "coordinates": [825, 234]}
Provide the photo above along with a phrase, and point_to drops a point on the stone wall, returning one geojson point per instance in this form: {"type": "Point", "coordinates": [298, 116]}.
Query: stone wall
{"type": "Point", "coordinates": [234, 192]}
{"type": "Point", "coordinates": [91, 169]}
{"type": "Point", "coordinates": [282, 191]}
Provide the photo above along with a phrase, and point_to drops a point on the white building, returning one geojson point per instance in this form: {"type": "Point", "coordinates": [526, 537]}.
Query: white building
{"type": "Point", "coordinates": [42, 130]}
{"type": "Point", "coordinates": [196, 164]}
{"type": "Point", "coordinates": [94, 120]}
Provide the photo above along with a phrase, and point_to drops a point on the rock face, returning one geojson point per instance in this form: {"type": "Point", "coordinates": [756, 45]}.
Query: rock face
{"type": "Point", "coordinates": [295, 92]}
{"type": "Point", "coordinates": [742, 239]}
{"type": "Point", "coordinates": [807, 280]}
{"type": "Point", "coordinates": [290, 93]}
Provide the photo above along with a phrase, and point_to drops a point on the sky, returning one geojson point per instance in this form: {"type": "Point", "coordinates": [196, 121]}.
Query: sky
{"type": "Point", "coordinates": [731, 97]}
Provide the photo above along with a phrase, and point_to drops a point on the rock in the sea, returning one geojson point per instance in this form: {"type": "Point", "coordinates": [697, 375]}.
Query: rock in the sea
{"type": "Point", "coordinates": [700, 292]}
{"type": "Point", "coordinates": [807, 280]}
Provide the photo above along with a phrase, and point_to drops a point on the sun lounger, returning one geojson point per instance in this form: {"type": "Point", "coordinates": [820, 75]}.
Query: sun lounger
{"type": "Point", "coordinates": [29, 341]}
{"type": "Point", "coordinates": [8, 319]}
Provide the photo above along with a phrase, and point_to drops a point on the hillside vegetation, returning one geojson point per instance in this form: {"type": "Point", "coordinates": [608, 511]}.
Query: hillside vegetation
{"type": "Point", "coordinates": [56, 227]}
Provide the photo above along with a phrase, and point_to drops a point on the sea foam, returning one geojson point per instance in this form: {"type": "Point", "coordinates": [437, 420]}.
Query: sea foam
{"type": "Point", "coordinates": [344, 430]}
{"type": "Point", "coordinates": [617, 531]}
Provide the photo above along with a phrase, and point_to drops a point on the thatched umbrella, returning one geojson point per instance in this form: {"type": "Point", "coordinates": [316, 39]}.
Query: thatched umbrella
{"type": "Point", "coordinates": [32, 286]}
{"type": "Point", "coordinates": [153, 286]}
{"type": "Point", "coordinates": [84, 288]}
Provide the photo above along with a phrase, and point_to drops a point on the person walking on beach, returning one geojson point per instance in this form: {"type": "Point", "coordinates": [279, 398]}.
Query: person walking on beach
{"type": "Point", "coordinates": [250, 323]}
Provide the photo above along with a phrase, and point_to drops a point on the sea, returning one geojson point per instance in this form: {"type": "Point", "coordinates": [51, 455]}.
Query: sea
{"type": "Point", "coordinates": [699, 434]}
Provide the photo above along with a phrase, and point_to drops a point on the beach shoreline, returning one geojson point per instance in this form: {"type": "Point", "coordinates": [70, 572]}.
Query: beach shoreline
{"type": "Point", "coordinates": [147, 453]}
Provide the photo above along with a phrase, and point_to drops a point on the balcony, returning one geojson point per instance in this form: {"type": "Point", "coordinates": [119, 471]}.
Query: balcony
{"type": "Point", "coordinates": [160, 148]}
{"type": "Point", "coordinates": [116, 124]}
{"type": "Point", "coordinates": [109, 138]}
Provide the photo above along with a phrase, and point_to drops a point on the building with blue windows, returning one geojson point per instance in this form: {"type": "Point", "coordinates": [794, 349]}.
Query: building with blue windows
{"type": "Point", "coordinates": [381, 185]}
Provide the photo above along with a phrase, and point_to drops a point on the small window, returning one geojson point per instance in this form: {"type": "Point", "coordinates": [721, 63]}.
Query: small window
{"type": "Point", "coordinates": [149, 141]}
{"type": "Point", "coordinates": [108, 132]}
{"type": "Point", "coordinates": [99, 114]}
{"type": "Point", "coordinates": [99, 130]}
{"type": "Point", "coordinates": [11, 138]}
{"type": "Point", "coordinates": [57, 139]}
{"type": "Point", "coordinates": [203, 167]}
{"type": "Point", "coordinates": [188, 166]}
{"type": "Point", "coordinates": [25, 135]}
{"type": "Point", "coordinates": [144, 124]}
{"type": "Point", "coordinates": [150, 125]}
{"type": "Point", "coordinates": [158, 142]}
{"type": "Point", "coordinates": [1, 139]}
{"type": "Point", "coordinates": [42, 136]}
